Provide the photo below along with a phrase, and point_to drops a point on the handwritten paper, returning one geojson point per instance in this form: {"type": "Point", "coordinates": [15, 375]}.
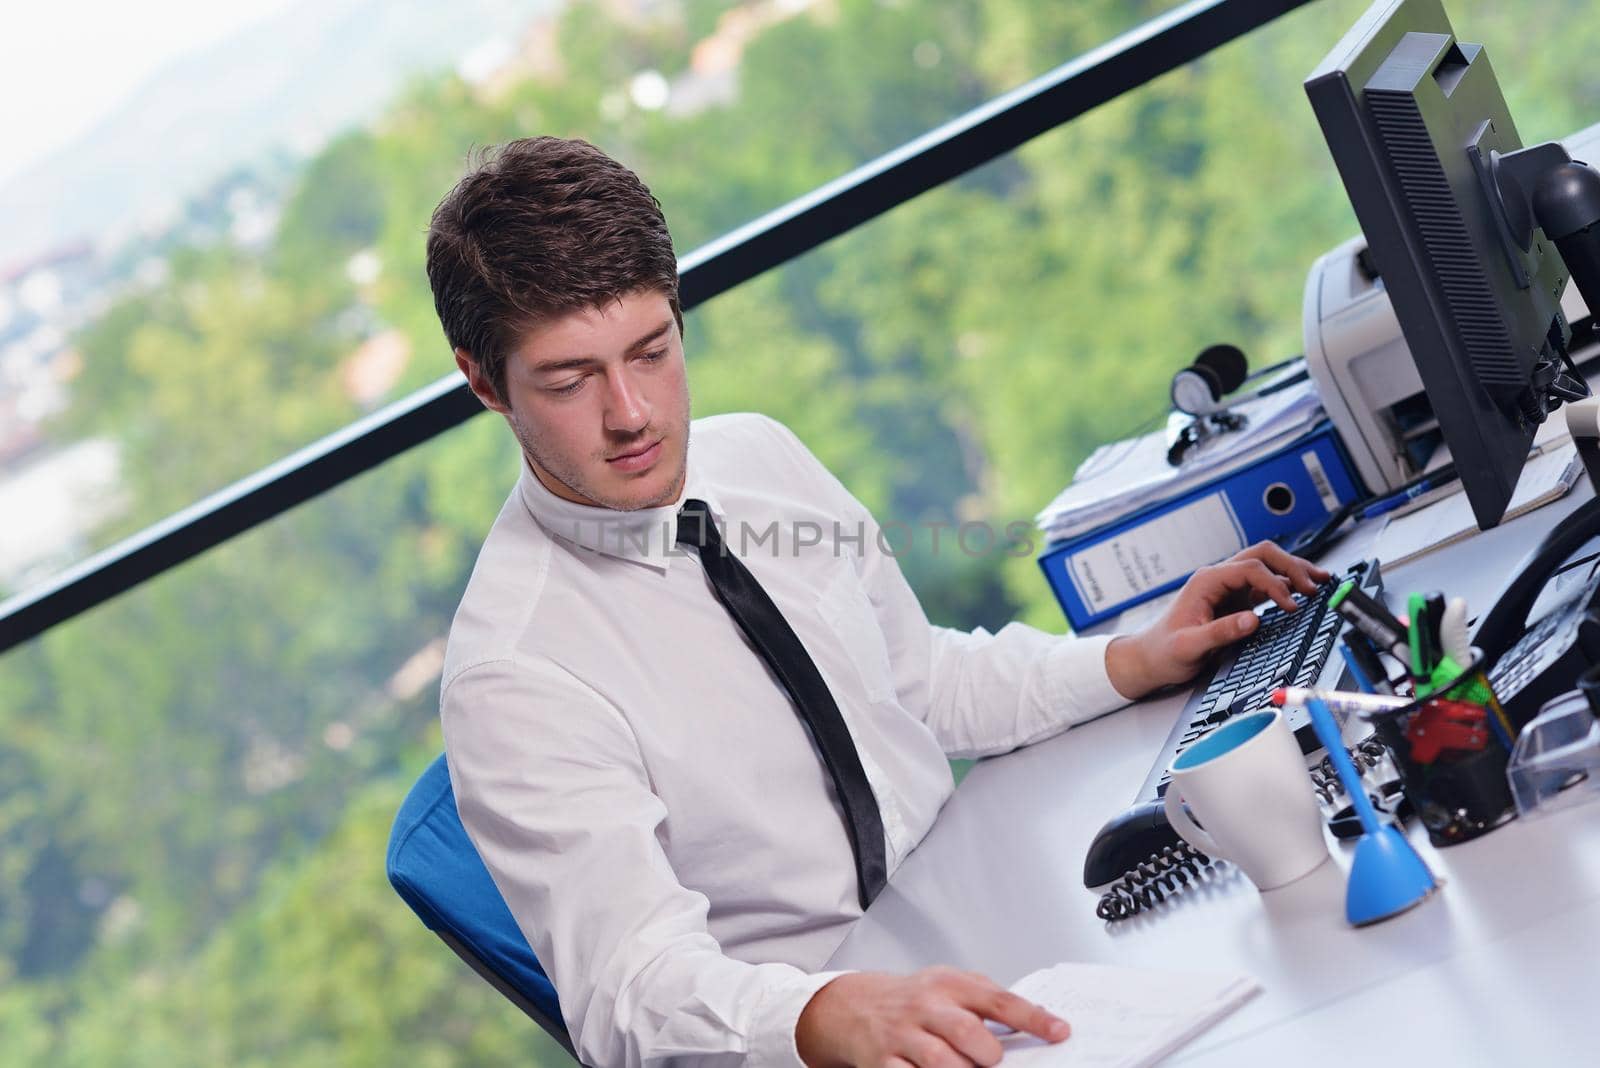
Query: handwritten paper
{"type": "Point", "coordinates": [1122, 1017]}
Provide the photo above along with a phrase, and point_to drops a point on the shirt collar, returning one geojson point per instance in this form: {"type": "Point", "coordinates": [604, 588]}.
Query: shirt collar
{"type": "Point", "coordinates": [646, 535]}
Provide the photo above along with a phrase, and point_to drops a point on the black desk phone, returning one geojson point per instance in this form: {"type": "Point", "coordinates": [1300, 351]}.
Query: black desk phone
{"type": "Point", "coordinates": [1530, 665]}
{"type": "Point", "coordinates": [1145, 859]}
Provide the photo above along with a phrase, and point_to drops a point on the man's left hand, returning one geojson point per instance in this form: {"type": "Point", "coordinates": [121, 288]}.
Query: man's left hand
{"type": "Point", "coordinates": [1212, 610]}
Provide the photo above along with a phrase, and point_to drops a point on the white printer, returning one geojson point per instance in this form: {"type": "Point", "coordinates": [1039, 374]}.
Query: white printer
{"type": "Point", "coordinates": [1359, 361]}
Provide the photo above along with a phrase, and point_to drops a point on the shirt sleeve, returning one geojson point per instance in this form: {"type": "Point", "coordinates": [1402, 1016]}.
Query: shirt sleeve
{"type": "Point", "coordinates": [553, 793]}
{"type": "Point", "coordinates": [979, 692]}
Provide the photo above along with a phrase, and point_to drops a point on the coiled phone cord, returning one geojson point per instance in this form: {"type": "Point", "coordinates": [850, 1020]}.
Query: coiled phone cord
{"type": "Point", "coordinates": [1150, 881]}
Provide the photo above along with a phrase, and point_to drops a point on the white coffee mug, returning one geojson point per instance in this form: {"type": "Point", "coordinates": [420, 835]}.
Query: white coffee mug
{"type": "Point", "coordinates": [1247, 782]}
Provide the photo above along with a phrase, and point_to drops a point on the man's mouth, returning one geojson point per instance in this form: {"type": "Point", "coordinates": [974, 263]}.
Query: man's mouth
{"type": "Point", "coordinates": [637, 459]}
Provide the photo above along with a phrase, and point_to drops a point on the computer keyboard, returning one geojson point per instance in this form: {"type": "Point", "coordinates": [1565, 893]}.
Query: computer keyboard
{"type": "Point", "coordinates": [1287, 649]}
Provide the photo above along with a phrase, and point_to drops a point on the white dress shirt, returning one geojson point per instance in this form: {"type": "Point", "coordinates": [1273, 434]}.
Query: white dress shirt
{"type": "Point", "coordinates": [639, 784]}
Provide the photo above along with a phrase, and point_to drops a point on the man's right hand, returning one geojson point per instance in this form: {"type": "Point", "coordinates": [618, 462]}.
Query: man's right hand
{"type": "Point", "coordinates": [929, 1019]}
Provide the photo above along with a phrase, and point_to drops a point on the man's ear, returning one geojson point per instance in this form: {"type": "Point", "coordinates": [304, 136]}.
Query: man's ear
{"type": "Point", "coordinates": [482, 388]}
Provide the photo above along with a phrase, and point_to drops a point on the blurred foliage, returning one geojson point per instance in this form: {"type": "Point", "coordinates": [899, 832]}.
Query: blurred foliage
{"type": "Point", "coordinates": [197, 779]}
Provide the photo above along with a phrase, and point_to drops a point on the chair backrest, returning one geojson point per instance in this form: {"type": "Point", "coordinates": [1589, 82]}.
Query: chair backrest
{"type": "Point", "coordinates": [433, 865]}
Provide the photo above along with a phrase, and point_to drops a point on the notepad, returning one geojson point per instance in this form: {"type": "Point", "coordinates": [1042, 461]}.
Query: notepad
{"type": "Point", "coordinates": [1546, 477]}
{"type": "Point", "coordinates": [1122, 1017]}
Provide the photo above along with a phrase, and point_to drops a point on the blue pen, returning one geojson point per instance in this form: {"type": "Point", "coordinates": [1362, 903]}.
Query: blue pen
{"type": "Point", "coordinates": [1365, 667]}
{"type": "Point", "coordinates": [1406, 496]}
{"type": "Point", "coordinates": [1363, 683]}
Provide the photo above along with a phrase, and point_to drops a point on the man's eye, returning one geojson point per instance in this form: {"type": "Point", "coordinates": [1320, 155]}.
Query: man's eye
{"type": "Point", "coordinates": [570, 388]}
{"type": "Point", "coordinates": [654, 356]}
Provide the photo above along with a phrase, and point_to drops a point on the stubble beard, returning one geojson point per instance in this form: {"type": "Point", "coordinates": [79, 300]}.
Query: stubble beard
{"type": "Point", "coordinates": [573, 479]}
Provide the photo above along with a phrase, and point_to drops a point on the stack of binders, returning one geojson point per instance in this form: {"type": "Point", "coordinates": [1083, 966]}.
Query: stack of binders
{"type": "Point", "coordinates": [1131, 526]}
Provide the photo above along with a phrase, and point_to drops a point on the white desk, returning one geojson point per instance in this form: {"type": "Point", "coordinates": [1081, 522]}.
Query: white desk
{"type": "Point", "coordinates": [1499, 968]}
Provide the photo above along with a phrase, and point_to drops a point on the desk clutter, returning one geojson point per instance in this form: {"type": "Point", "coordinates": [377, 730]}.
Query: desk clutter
{"type": "Point", "coordinates": [1286, 649]}
{"type": "Point", "coordinates": [1459, 737]}
{"type": "Point", "coordinates": [1133, 525]}
{"type": "Point", "coordinates": [1449, 736]}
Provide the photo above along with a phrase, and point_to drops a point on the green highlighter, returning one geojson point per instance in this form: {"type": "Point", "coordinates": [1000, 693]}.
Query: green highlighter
{"type": "Point", "coordinates": [1429, 666]}
{"type": "Point", "coordinates": [1422, 643]}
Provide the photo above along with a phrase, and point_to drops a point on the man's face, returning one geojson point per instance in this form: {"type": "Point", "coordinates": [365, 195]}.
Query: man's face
{"type": "Point", "coordinates": [599, 400]}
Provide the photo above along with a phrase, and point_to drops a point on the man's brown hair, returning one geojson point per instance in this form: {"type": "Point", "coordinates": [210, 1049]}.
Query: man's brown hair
{"type": "Point", "coordinates": [538, 228]}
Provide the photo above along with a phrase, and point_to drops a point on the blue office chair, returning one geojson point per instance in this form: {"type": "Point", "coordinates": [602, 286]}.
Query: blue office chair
{"type": "Point", "coordinates": [432, 865]}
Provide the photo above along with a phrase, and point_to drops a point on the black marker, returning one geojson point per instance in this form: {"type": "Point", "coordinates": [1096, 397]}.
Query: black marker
{"type": "Point", "coordinates": [1362, 657]}
{"type": "Point", "coordinates": [1373, 620]}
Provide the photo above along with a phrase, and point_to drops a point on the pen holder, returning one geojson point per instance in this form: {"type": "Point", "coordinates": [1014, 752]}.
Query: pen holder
{"type": "Point", "coordinates": [1450, 752]}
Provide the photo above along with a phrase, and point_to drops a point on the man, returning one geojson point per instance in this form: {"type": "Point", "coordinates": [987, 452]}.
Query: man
{"type": "Point", "coordinates": [690, 759]}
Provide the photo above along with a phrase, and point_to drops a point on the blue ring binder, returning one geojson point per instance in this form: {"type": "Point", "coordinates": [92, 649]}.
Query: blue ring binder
{"type": "Point", "coordinates": [1099, 573]}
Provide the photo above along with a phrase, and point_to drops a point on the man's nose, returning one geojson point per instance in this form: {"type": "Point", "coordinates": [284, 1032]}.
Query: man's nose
{"type": "Point", "coordinates": [626, 410]}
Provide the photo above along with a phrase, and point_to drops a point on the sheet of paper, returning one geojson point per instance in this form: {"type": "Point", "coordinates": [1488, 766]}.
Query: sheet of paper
{"type": "Point", "coordinates": [1122, 1017]}
{"type": "Point", "coordinates": [1551, 435]}
{"type": "Point", "coordinates": [1545, 478]}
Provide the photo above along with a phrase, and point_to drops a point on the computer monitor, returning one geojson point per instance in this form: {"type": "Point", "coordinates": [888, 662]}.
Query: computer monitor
{"type": "Point", "coordinates": [1472, 235]}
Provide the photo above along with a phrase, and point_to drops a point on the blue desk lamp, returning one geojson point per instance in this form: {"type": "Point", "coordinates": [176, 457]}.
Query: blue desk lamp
{"type": "Point", "coordinates": [1386, 877]}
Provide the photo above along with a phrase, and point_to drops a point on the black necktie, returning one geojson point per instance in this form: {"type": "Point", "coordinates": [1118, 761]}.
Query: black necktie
{"type": "Point", "coordinates": [780, 647]}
